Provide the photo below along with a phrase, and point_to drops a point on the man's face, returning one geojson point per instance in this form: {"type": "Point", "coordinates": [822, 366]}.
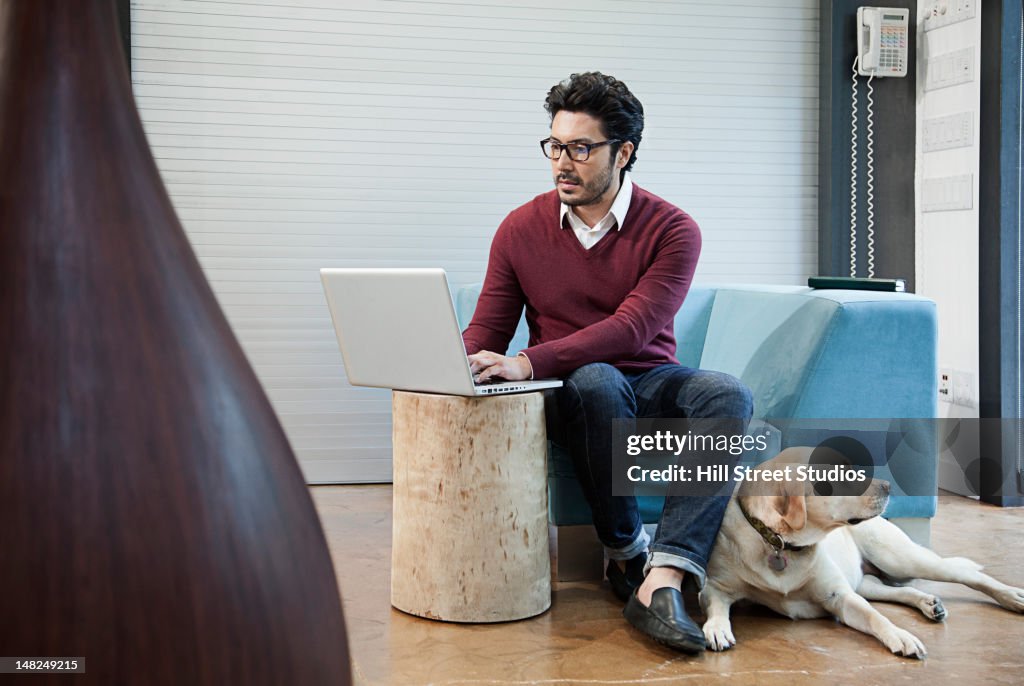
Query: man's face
{"type": "Point", "coordinates": [596, 179]}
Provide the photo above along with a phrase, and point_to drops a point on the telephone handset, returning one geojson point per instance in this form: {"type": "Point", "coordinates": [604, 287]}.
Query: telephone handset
{"type": "Point", "coordinates": [882, 37]}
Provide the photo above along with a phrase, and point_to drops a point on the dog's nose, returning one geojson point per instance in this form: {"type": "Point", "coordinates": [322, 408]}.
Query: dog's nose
{"type": "Point", "coordinates": [884, 487]}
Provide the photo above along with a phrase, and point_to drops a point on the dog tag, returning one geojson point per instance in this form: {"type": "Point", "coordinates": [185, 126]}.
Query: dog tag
{"type": "Point", "coordinates": [776, 561]}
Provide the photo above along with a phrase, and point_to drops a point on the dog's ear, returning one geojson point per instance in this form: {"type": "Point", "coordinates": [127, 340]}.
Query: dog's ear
{"type": "Point", "coordinates": [793, 511]}
{"type": "Point", "coordinates": [781, 513]}
{"type": "Point", "coordinates": [793, 505]}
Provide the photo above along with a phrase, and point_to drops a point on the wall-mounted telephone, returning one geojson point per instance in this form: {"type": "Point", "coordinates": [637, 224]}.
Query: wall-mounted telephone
{"type": "Point", "coordinates": [882, 38]}
{"type": "Point", "coordinates": [883, 34]}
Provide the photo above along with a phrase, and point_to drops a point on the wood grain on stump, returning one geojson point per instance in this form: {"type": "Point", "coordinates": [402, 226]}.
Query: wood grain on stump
{"type": "Point", "coordinates": [470, 507]}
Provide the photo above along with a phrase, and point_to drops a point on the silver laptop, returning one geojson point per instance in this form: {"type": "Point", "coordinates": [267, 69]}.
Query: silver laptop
{"type": "Point", "coordinates": [397, 329]}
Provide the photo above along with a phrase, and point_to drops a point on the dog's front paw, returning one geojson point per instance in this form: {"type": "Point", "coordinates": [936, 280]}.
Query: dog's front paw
{"type": "Point", "coordinates": [904, 643]}
{"type": "Point", "coordinates": [718, 633]}
{"type": "Point", "coordinates": [933, 608]}
{"type": "Point", "coordinates": [1012, 598]}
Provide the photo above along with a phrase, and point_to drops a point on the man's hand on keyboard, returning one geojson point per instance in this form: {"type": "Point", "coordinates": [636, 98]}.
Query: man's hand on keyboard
{"type": "Point", "coordinates": [488, 367]}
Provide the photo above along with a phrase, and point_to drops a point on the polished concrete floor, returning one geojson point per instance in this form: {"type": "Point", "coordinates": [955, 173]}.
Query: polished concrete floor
{"type": "Point", "coordinates": [583, 639]}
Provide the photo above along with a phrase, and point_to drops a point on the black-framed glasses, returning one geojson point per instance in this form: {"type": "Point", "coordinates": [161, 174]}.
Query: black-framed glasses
{"type": "Point", "coordinates": [578, 152]}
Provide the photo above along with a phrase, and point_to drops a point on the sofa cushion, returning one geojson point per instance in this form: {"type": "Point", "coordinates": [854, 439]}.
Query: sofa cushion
{"type": "Point", "coordinates": [769, 340]}
{"type": "Point", "coordinates": [691, 324]}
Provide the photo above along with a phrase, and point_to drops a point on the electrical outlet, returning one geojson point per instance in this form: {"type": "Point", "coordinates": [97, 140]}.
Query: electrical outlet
{"type": "Point", "coordinates": [953, 131]}
{"type": "Point", "coordinates": [945, 385]}
{"type": "Point", "coordinates": [963, 388]}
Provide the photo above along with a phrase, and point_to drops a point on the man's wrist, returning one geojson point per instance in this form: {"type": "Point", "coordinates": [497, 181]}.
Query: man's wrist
{"type": "Point", "coordinates": [529, 365]}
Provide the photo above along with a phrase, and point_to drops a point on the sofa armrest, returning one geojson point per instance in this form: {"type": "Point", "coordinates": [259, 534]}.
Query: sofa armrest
{"type": "Point", "coordinates": [836, 355]}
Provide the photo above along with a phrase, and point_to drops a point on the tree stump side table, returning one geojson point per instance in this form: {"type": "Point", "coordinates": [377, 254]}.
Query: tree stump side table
{"type": "Point", "coordinates": [470, 522]}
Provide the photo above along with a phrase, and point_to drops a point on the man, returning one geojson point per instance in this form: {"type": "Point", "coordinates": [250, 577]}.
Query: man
{"type": "Point", "coordinates": [602, 266]}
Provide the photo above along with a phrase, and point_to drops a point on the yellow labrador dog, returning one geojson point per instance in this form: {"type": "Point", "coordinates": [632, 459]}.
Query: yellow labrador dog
{"type": "Point", "coordinates": [805, 555]}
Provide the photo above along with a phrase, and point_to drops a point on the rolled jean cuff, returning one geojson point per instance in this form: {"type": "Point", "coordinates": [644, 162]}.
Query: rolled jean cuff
{"type": "Point", "coordinates": [639, 545]}
{"type": "Point", "coordinates": [662, 559]}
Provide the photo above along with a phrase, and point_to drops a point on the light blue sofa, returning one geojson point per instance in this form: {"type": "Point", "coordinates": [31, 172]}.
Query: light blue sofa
{"type": "Point", "coordinates": [804, 353]}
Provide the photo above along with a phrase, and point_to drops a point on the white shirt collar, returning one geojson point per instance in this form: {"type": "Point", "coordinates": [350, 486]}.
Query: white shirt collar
{"type": "Point", "coordinates": [616, 214]}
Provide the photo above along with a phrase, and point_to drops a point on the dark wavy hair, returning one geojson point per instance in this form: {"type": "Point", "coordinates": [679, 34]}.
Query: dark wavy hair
{"type": "Point", "coordinates": [606, 99]}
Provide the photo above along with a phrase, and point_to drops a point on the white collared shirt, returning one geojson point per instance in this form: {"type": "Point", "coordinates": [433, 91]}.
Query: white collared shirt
{"type": "Point", "coordinates": [589, 236]}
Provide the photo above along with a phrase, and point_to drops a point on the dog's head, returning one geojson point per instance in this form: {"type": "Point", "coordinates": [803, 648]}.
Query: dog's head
{"type": "Point", "coordinates": [798, 510]}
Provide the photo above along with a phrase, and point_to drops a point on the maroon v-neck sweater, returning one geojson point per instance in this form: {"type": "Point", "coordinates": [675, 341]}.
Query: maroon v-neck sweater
{"type": "Point", "coordinates": [614, 303]}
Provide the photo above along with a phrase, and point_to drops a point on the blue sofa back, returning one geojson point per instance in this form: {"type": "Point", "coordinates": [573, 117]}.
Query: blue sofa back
{"type": "Point", "coordinates": [804, 353]}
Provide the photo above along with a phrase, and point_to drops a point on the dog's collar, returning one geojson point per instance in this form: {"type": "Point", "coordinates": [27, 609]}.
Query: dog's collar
{"type": "Point", "coordinates": [770, 537]}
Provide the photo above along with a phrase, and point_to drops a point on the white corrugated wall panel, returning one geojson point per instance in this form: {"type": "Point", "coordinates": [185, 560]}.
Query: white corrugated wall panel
{"type": "Point", "coordinates": [298, 135]}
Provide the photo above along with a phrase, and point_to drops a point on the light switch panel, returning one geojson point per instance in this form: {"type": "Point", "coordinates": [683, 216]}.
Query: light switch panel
{"type": "Point", "coordinates": [947, 193]}
{"type": "Point", "coordinates": [953, 131]}
{"type": "Point", "coordinates": [950, 69]}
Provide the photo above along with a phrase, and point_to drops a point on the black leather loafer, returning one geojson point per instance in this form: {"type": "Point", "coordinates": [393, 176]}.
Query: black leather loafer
{"type": "Point", "coordinates": [666, 621]}
{"type": "Point", "coordinates": [625, 583]}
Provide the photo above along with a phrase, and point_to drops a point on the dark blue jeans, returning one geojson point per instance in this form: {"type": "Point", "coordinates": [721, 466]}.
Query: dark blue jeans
{"type": "Point", "coordinates": [580, 418]}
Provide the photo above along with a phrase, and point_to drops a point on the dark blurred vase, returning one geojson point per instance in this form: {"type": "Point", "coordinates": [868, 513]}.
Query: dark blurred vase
{"type": "Point", "coordinates": [153, 518]}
